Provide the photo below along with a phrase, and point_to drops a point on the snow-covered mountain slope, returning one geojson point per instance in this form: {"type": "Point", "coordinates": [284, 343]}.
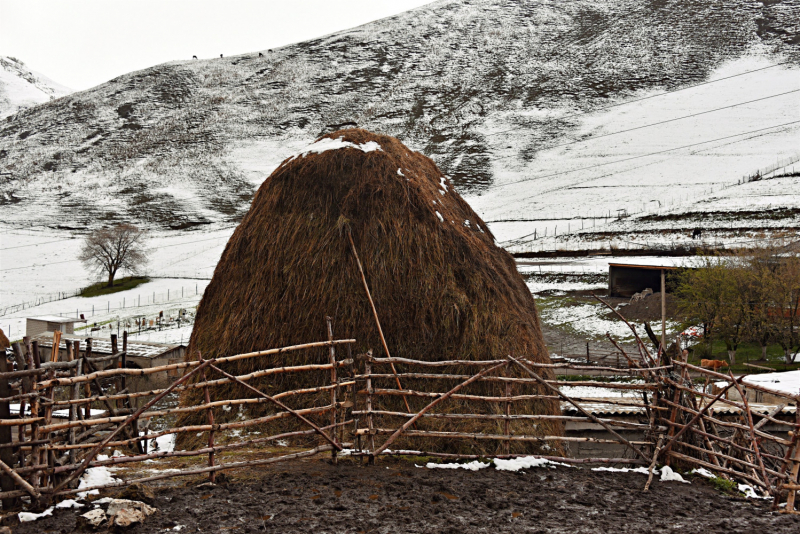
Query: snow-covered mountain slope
{"type": "Point", "coordinates": [487, 88]}
{"type": "Point", "coordinates": [22, 88]}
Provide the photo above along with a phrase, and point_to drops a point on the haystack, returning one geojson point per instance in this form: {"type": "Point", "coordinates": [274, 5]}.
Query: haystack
{"type": "Point", "coordinates": [442, 288]}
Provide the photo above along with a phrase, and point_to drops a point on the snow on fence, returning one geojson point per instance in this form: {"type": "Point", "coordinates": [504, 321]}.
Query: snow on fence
{"type": "Point", "coordinates": [682, 424]}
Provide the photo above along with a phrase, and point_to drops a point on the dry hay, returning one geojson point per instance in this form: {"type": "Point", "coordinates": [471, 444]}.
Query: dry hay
{"type": "Point", "coordinates": [441, 286]}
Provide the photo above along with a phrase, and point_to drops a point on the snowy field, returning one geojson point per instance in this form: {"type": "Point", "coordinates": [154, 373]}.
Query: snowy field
{"type": "Point", "coordinates": [38, 266]}
{"type": "Point", "coordinates": [596, 172]}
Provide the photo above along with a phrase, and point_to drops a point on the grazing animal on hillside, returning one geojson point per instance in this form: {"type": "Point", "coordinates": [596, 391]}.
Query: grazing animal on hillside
{"type": "Point", "coordinates": [697, 233]}
{"type": "Point", "coordinates": [713, 364]}
{"type": "Point", "coordinates": [194, 57]}
{"type": "Point", "coordinates": [260, 54]}
{"type": "Point", "coordinates": [220, 55]}
{"type": "Point", "coordinates": [636, 296]}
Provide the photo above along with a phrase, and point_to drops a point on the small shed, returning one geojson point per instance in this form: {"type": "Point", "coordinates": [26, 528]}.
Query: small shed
{"type": "Point", "coordinates": [139, 355]}
{"type": "Point", "coordinates": [51, 323]}
{"type": "Point", "coordinates": [625, 280]}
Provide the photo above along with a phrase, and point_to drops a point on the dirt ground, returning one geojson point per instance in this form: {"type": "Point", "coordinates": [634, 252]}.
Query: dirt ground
{"type": "Point", "coordinates": [398, 497]}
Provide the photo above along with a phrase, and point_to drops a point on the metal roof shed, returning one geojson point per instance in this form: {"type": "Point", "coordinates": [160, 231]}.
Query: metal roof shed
{"type": "Point", "coordinates": [624, 280]}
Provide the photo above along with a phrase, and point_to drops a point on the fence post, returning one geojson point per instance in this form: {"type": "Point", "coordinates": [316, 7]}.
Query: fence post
{"type": "Point", "coordinates": [73, 395]}
{"type": "Point", "coordinates": [332, 359]}
{"type": "Point", "coordinates": [26, 384]}
{"type": "Point", "coordinates": [370, 426]}
{"type": "Point", "coordinates": [6, 453]}
{"type": "Point", "coordinates": [507, 421]}
{"type": "Point", "coordinates": [212, 475]}
{"type": "Point", "coordinates": [34, 362]}
{"type": "Point", "coordinates": [588, 358]}
{"type": "Point", "coordinates": [87, 388]}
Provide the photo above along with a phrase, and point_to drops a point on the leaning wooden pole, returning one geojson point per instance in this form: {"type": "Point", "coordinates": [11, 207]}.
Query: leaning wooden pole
{"type": "Point", "coordinates": [19, 480]}
{"type": "Point", "coordinates": [280, 405]}
{"type": "Point", "coordinates": [375, 313]}
{"type": "Point", "coordinates": [422, 412]}
{"type": "Point", "coordinates": [100, 446]}
{"type": "Point", "coordinates": [580, 409]}
{"type": "Point", "coordinates": [332, 360]}
{"type": "Point", "coordinates": [697, 416]}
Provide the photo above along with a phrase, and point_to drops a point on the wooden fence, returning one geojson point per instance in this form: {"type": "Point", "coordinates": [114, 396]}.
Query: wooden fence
{"type": "Point", "coordinates": [55, 434]}
{"type": "Point", "coordinates": [681, 424]}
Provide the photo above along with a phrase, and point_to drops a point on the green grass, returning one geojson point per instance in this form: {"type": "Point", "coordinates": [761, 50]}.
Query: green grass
{"type": "Point", "coordinates": [725, 485]}
{"type": "Point", "coordinates": [122, 284]}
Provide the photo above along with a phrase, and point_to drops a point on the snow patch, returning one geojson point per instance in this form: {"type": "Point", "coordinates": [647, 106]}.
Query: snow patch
{"type": "Point", "coordinates": [70, 503]}
{"type": "Point", "coordinates": [471, 466]}
{"type": "Point", "coordinates": [162, 444]}
{"type": "Point", "coordinates": [440, 216]}
{"type": "Point", "coordinates": [96, 476]}
{"type": "Point", "coordinates": [324, 145]}
{"type": "Point", "coordinates": [641, 470]}
{"type": "Point", "coordinates": [750, 492]}
{"type": "Point", "coordinates": [786, 382]}
{"type": "Point", "coordinates": [400, 172]}
{"type": "Point", "coordinates": [668, 475]}
{"type": "Point", "coordinates": [30, 516]}
{"type": "Point", "coordinates": [515, 464]}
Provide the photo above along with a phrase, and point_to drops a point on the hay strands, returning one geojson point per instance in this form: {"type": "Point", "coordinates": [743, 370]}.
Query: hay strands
{"type": "Point", "coordinates": [280, 405]}
{"type": "Point", "coordinates": [444, 397]}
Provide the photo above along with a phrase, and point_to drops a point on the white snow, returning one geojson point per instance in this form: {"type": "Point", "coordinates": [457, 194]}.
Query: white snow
{"type": "Point", "coordinates": [30, 516]}
{"type": "Point", "coordinates": [525, 462]}
{"type": "Point", "coordinates": [560, 176]}
{"type": "Point", "coordinates": [668, 475]}
{"type": "Point", "coordinates": [96, 476]}
{"type": "Point", "coordinates": [537, 286]}
{"type": "Point", "coordinates": [641, 470]}
{"type": "Point", "coordinates": [787, 382]}
{"type": "Point", "coordinates": [22, 88]}
{"type": "Point", "coordinates": [470, 466]}
{"type": "Point", "coordinates": [323, 145]}
{"type": "Point", "coordinates": [70, 503]}
{"type": "Point", "coordinates": [165, 444]}
{"type": "Point", "coordinates": [591, 392]}
{"type": "Point", "coordinates": [400, 172]}
{"type": "Point", "coordinates": [703, 472]}
{"type": "Point", "coordinates": [750, 492]}
{"type": "Point", "coordinates": [440, 216]}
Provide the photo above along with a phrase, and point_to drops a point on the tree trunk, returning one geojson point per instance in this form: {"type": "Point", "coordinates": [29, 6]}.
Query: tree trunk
{"type": "Point", "coordinates": [787, 355]}
{"type": "Point", "coordinates": [764, 352]}
{"type": "Point", "coordinates": [110, 280]}
{"type": "Point", "coordinates": [732, 357]}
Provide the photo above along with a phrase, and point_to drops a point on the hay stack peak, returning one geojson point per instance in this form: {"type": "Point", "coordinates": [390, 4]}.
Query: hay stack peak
{"type": "Point", "coordinates": [441, 286]}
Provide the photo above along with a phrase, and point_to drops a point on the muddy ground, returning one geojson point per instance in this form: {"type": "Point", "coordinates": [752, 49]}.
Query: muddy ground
{"type": "Point", "coordinates": [397, 497]}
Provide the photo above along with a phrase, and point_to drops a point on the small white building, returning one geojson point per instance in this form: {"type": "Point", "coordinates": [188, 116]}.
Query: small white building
{"type": "Point", "coordinates": [50, 323]}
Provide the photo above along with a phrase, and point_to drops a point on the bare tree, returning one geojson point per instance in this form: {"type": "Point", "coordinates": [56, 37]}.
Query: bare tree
{"type": "Point", "coordinates": [108, 250]}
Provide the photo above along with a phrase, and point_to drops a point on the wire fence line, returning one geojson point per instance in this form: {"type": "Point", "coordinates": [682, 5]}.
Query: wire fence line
{"type": "Point", "coordinates": [142, 299]}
